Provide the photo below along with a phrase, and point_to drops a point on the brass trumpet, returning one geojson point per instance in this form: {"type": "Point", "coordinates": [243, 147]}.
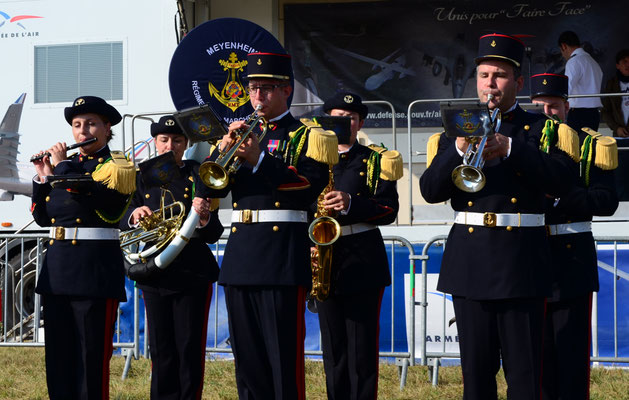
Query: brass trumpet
{"type": "Point", "coordinates": [215, 174]}
{"type": "Point", "coordinates": [469, 176]}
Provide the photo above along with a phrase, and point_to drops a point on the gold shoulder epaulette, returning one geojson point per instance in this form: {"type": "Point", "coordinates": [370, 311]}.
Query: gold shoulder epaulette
{"type": "Point", "coordinates": [606, 150]}
{"type": "Point", "coordinates": [431, 148]}
{"type": "Point", "coordinates": [323, 146]}
{"type": "Point", "coordinates": [116, 173]}
{"type": "Point", "coordinates": [568, 142]}
{"type": "Point", "coordinates": [391, 164]}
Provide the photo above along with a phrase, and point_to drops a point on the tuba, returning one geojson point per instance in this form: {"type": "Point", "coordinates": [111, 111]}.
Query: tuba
{"type": "Point", "coordinates": [215, 174]}
{"type": "Point", "coordinates": [323, 231]}
{"type": "Point", "coordinates": [469, 176]}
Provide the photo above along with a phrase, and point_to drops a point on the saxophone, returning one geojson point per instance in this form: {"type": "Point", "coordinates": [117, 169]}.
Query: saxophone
{"type": "Point", "coordinates": [323, 231]}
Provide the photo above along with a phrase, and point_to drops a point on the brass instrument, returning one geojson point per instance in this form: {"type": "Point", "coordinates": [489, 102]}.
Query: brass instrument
{"type": "Point", "coordinates": [159, 228]}
{"type": "Point", "coordinates": [469, 176]}
{"type": "Point", "coordinates": [215, 174]}
{"type": "Point", "coordinates": [323, 231]}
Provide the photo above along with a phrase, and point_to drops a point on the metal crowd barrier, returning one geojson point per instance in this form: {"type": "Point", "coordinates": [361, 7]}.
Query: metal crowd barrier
{"type": "Point", "coordinates": [20, 265]}
{"type": "Point", "coordinates": [432, 359]}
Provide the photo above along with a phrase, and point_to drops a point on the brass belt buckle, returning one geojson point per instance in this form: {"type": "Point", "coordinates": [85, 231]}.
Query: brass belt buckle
{"type": "Point", "coordinates": [60, 233]}
{"type": "Point", "coordinates": [489, 219]}
{"type": "Point", "coordinates": [246, 216]}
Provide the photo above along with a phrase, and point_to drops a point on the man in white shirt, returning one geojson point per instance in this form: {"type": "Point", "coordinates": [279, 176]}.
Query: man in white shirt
{"type": "Point", "coordinates": [585, 77]}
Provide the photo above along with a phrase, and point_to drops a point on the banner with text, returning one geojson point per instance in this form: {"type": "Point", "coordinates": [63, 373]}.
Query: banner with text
{"type": "Point", "coordinates": [401, 51]}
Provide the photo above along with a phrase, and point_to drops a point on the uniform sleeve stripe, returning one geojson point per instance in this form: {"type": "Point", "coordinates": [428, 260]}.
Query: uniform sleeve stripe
{"type": "Point", "coordinates": [386, 211]}
{"type": "Point", "coordinates": [303, 183]}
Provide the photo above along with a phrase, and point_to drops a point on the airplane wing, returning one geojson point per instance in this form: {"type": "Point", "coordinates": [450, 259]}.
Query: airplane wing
{"type": "Point", "coordinates": [9, 139]}
{"type": "Point", "coordinates": [380, 63]}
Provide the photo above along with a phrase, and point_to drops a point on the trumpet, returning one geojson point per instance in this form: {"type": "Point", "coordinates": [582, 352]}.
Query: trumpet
{"type": "Point", "coordinates": [469, 176]}
{"type": "Point", "coordinates": [72, 146]}
{"type": "Point", "coordinates": [215, 174]}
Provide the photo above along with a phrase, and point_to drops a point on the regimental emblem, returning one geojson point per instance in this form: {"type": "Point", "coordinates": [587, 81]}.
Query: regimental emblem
{"type": "Point", "coordinates": [468, 125]}
{"type": "Point", "coordinates": [170, 122]}
{"type": "Point", "coordinates": [544, 82]}
{"type": "Point", "coordinates": [200, 125]}
{"type": "Point", "coordinates": [233, 94]}
{"type": "Point", "coordinates": [348, 99]}
{"type": "Point", "coordinates": [493, 43]}
{"type": "Point", "coordinates": [259, 61]}
{"type": "Point", "coordinates": [79, 102]}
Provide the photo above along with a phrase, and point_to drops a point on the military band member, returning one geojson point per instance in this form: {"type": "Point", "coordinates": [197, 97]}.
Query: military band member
{"type": "Point", "coordinates": [566, 370]}
{"type": "Point", "coordinates": [178, 297]}
{"type": "Point", "coordinates": [266, 265]}
{"type": "Point", "coordinates": [496, 263]}
{"type": "Point", "coordinates": [82, 277]}
{"type": "Point", "coordinates": [364, 196]}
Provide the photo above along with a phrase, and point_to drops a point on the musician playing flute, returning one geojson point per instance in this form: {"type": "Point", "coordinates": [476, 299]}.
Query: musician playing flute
{"type": "Point", "coordinates": [82, 197]}
{"type": "Point", "coordinates": [496, 263]}
{"type": "Point", "coordinates": [364, 196]}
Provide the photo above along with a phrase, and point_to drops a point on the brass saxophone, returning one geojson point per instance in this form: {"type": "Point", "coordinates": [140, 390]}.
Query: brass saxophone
{"type": "Point", "coordinates": [323, 231]}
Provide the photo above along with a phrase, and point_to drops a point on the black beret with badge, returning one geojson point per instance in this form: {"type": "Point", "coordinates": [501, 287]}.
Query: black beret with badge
{"type": "Point", "coordinates": [346, 101]}
{"type": "Point", "coordinates": [549, 85]}
{"type": "Point", "coordinates": [499, 46]}
{"type": "Point", "coordinates": [269, 65]}
{"type": "Point", "coordinates": [92, 104]}
{"type": "Point", "coordinates": [166, 124]}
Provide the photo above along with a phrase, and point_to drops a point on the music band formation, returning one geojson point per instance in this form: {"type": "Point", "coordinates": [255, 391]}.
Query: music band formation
{"type": "Point", "coordinates": [520, 261]}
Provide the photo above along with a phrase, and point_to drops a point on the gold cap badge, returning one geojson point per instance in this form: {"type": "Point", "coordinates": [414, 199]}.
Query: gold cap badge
{"type": "Point", "coordinates": [170, 122]}
{"type": "Point", "coordinates": [348, 99]}
{"type": "Point", "coordinates": [79, 102]}
{"type": "Point", "coordinates": [544, 82]}
{"type": "Point", "coordinates": [493, 43]}
{"type": "Point", "coordinates": [259, 61]}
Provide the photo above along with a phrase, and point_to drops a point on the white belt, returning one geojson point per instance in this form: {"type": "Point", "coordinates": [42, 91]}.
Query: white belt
{"type": "Point", "coordinates": [62, 233]}
{"type": "Point", "coordinates": [356, 228]}
{"type": "Point", "coordinates": [255, 216]}
{"type": "Point", "coordinates": [574, 227]}
{"type": "Point", "coordinates": [490, 219]}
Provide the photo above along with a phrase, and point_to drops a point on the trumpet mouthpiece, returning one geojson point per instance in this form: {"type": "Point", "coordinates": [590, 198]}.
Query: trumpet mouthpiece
{"type": "Point", "coordinates": [490, 97]}
{"type": "Point", "coordinates": [258, 107]}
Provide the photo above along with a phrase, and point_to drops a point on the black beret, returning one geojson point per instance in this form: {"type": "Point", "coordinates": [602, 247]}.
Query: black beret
{"type": "Point", "coordinates": [500, 47]}
{"type": "Point", "coordinates": [346, 101]}
{"type": "Point", "coordinates": [549, 85]}
{"type": "Point", "coordinates": [269, 65]}
{"type": "Point", "coordinates": [92, 104]}
{"type": "Point", "coordinates": [166, 124]}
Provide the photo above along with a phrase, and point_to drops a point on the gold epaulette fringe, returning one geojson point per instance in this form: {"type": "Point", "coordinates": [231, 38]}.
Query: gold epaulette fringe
{"type": "Point", "coordinates": [431, 148]}
{"type": "Point", "coordinates": [606, 150]}
{"type": "Point", "coordinates": [391, 168]}
{"type": "Point", "coordinates": [323, 146]}
{"type": "Point", "coordinates": [568, 142]}
{"type": "Point", "coordinates": [117, 173]}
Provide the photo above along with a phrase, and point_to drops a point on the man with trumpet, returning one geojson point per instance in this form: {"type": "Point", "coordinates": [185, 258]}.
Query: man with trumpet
{"type": "Point", "coordinates": [81, 198]}
{"type": "Point", "coordinates": [566, 372]}
{"type": "Point", "coordinates": [177, 297]}
{"type": "Point", "coordinates": [496, 263]}
{"type": "Point", "coordinates": [265, 268]}
{"type": "Point", "coordinates": [364, 196]}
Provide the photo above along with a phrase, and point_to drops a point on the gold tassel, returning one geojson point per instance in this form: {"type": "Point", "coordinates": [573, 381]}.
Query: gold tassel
{"type": "Point", "coordinates": [606, 153]}
{"type": "Point", "coordinates": [378, 149]}
{"type": "Point", "coordinates": [431, 148]}
{"type": "Point", "coordinates": [118, 173]}
{"type": "Point", "coordinates": [391, 168]}
{"type": "Point", "coordinates": [323, 146]}
{"type": "Point", "coordinates": [568, 142]}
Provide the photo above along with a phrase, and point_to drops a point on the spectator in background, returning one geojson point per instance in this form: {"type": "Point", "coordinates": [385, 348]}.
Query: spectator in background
{"type": "Point", "coordinates": [584, 77]}
{"type": "Point", "coordinates": [616, 109]}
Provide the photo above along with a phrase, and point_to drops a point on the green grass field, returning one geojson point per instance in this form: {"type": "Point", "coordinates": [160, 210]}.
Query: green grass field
{"type": "Point", "coordinates": [22, 376]}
